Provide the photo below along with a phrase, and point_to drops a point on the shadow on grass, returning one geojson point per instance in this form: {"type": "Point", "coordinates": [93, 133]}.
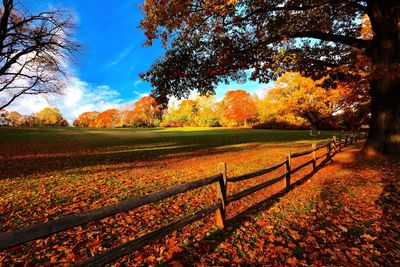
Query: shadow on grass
{"type": "Point", "coordinates": [37, 165]}
{"type": "Point", "coordinates": [52, 151]}
{"type": "Point", "coordinates": [350, 197]}
{"type": "Point", "coordinates": [238, 220]}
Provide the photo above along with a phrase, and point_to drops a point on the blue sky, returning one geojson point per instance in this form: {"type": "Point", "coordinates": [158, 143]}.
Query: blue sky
{"type": "Point", "coordinates": [106, 73]}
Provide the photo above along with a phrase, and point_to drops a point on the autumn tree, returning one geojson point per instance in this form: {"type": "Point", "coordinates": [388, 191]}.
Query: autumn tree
{"type": "Point", "coordinates": [304, 97]}
{"type": "Point", "coordinates": [148, 110]}
{"type": "Point", "coordinates": [209, 42]}
{"type": "Point", "coordinates": [356, 110]}
{"type": "Point", "coordinates": [271, 116]}
{"type": "Point", "coordinates": [238, 106]}
{"type": "Point", "coordinates": [207, 111]}
{"type": "Point", "coordinates": [187, 111]}
{"type": "Point", "coordinates": [124, 119]}
{"type": "Point", "coordinates": [86, 119]}
{"type": "Point", "coordinates": [107, 119]}
{"type": "Point", "coordinates": [14, 118]}
{"type": "Point", "coordinates": [50, 117]}
{"type": "Point", "coordinates": [183, 115]}
{"type": "Point", "coordinates": [34, 50]}
{"type": "Point", "coordinates": [76, 123]}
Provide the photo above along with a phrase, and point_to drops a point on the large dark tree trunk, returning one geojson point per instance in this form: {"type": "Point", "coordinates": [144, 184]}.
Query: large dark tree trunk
{"type": "Point", "coordinates": [384, 135]}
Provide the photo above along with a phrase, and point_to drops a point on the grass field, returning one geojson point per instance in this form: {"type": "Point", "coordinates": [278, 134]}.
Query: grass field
{"type": "Point", "coordinates": [49, 172]}
{"type": "Point", "coordinates": [26, 152]}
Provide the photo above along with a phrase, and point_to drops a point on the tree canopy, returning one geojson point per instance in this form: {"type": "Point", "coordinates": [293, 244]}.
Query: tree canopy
{"type": "Point", "coordinates": [209, 42]}
{"type": "Point", "coordinates": [305, 98]}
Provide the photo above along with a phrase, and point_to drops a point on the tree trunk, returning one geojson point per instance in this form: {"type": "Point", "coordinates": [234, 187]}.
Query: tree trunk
{"type": "Point", "coordinates": [384, 134]}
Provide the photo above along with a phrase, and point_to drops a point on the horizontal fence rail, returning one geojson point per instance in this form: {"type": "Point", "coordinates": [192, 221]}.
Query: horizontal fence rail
{"type": "Point", "coordinates": [301, 166]}
{"type": "Point", "coordinates": [299, 154]}
{"type": "Point", "coordinates": [255, 188]}
{"type": "Point", "coordinates": [30, 233]}
{"type": "Point", "coordinates": [256, 173]}
{"type": "Point", "coordinates": [42, 230]}
{"type": "Point", "coordinates": [146, 239]}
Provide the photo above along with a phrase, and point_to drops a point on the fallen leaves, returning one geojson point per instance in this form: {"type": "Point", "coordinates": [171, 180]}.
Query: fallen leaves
{"type": "Point", "coordinates": [345, 214]}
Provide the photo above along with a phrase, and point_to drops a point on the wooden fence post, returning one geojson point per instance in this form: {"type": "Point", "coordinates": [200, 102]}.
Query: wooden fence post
{"type": "Point", "coordinates": [288, 168]}
{"type": "Point", "coordinates": [220, 214]}
{"type": "Point", "coordinates": [314, 164]}
{"type": "Point", "coordinates": [334, 141]}
{"type": "Point", "coordinates": [328, 155]}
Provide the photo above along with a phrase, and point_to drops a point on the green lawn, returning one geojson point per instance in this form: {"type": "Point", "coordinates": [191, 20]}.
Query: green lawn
{"type": "Point", "coordinates": [81, 147]}
{"type": "Point", "coordinates": [49, 149]}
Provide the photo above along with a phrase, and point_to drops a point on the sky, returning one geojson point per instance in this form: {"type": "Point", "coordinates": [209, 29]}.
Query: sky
{"type": "Point", "coordinates": [106, 72]}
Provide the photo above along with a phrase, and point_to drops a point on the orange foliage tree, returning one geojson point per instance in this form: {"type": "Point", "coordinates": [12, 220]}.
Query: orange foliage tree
{"type": "Point", "coordinates": [86, 119]}
{"type": "Point", "coordinates": [148, 110]}
{"type": "Point", "coordinates": [107, 119]}
{"type": "Point", "coordinates": [238, 107]}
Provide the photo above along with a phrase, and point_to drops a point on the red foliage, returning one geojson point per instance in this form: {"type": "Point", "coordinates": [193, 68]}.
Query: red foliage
{"type": "Point", "coordinates": [238, 106]}
{"type": "Point", "coordinates": [86, 119]}
{"type": "Point", "coordinates": [107, 119]}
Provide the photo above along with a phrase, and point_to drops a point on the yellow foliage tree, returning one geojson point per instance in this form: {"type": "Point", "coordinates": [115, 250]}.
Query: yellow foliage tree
{"type": "Point", "coordinates": [50, 117]}
{"type": "Point", "coordinates": [299, 99]}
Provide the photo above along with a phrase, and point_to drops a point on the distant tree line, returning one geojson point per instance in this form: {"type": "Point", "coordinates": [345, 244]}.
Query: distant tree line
{"type": "Point", "coordinates": [46, 117]}
{"type": "Point", "coordinates": [295, 102]}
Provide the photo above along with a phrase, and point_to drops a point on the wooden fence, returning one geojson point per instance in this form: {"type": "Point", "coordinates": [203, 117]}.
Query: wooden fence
{"type": "Point", "coordinates": [42, 230]}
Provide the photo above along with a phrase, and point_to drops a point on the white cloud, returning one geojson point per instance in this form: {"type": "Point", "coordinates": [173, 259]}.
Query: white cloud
{"type": "Point", "coordinates": [29, 104]}
{"type": "Point", "coordinates": [79, 96]}
{"type": "Point", "coordinates": [121, 56]}
{"type": "Point", "coordinates": [137, 82]}
{"type": "Point", "coordinates": [139, 93]}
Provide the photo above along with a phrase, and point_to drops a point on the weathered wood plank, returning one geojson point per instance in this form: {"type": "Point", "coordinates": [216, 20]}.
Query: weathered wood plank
{"type": "Point", "coordinates": [23, 235]}
{"type": "Point", "coordinates": [314, 156]}
{"type": "Point", "coordinates": [322, 146]}
{"type": "Point", "coordinates": [303, 153]}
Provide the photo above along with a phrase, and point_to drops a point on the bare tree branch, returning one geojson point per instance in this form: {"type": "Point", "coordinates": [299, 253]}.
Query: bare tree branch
{"type": "Point", "coordinates": [34, 50]}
